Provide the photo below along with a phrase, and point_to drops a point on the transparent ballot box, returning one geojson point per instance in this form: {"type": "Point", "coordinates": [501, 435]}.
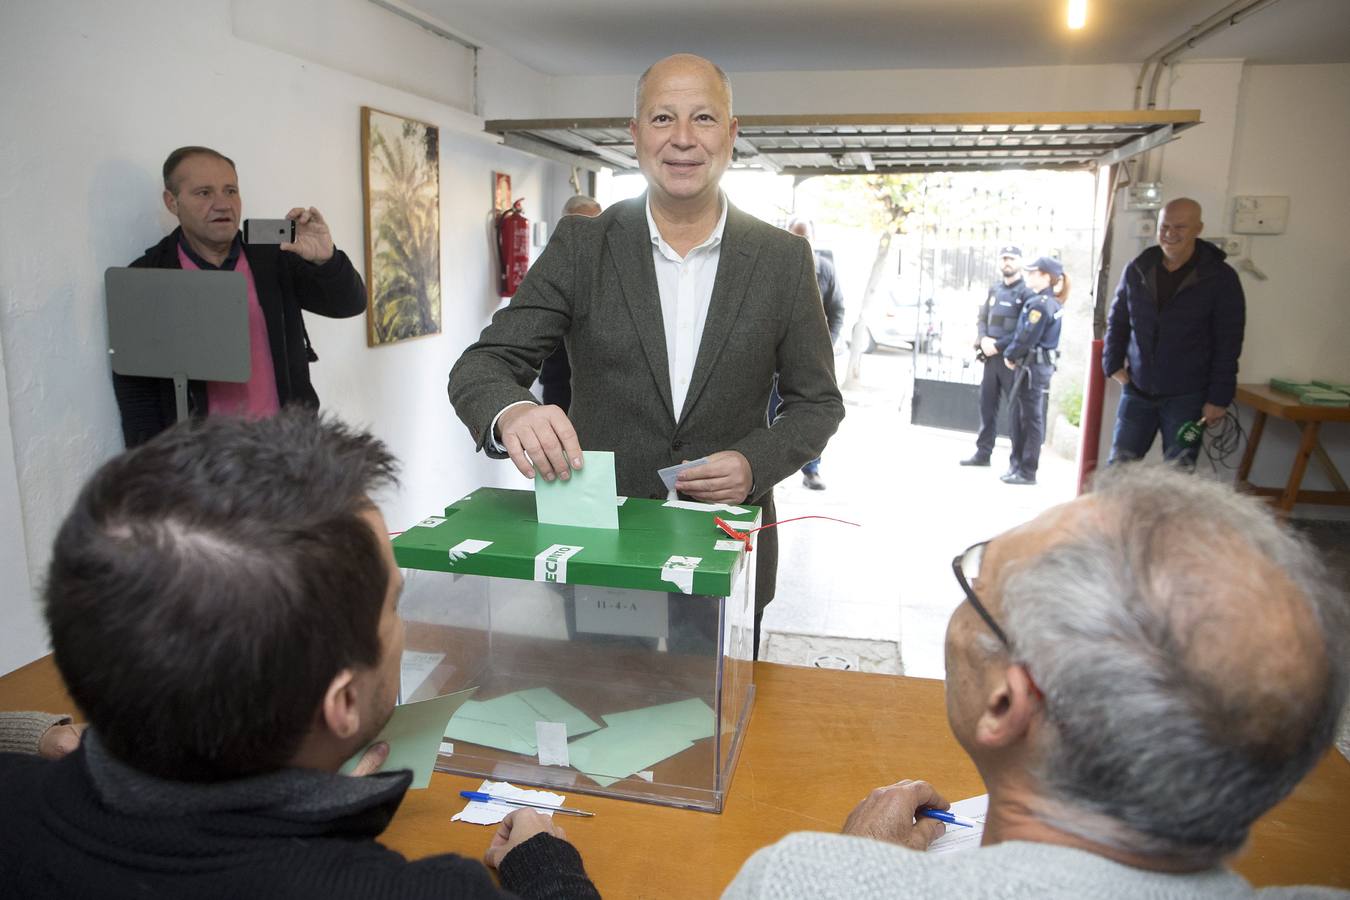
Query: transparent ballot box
{"type": "Point", "coordinates": [610, 662]}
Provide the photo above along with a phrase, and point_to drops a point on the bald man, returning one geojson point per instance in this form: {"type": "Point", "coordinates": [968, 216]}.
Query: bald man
{"type": "Point", "coordinates": [676, 310]}
{"type": "Point", "coordinates": [1173, 338]}
{"type": "Point", "coordinates": [1136, 684]}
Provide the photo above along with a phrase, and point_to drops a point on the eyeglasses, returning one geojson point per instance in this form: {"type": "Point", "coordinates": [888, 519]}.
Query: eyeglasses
{"type": "Point", "coordinates": [967, 569]}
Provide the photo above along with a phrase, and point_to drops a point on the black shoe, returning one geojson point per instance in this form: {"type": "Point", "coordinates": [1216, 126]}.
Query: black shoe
{"type": "Point", "coordinates": [812, 481]}
{"type": "Point", "coordinates": [1017, 478]}
{"type": "Point", "coordinates": [976, 460]}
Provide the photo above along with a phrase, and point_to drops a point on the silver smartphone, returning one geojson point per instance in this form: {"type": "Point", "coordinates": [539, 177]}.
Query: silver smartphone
{"type": "Point", "coordinates": [269, 231]}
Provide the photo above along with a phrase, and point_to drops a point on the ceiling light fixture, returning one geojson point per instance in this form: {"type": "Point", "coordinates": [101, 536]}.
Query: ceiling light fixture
{"type": "Point", "coordinates": [1077, 14]}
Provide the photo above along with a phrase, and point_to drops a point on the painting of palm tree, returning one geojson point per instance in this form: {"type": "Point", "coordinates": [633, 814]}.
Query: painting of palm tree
{"type": "Point", "coordinates": [401, 159]}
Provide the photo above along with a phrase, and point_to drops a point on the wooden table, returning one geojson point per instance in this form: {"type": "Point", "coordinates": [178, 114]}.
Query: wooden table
{"type": "Point", "coordinates": [1266, 402]}
{"type": "Point", "coordinates": [817, 742]}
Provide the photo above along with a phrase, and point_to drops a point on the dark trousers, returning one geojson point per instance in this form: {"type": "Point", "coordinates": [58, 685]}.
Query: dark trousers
{"type": "Point", "coordinates": [997, 382]}
{"type": "Point", "coordinates": [1140, 417]}
{"type": "Point", "coordinates": [1031, 393]}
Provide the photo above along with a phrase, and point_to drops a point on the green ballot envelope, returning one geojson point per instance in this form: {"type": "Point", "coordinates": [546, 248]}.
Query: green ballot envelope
{"type": "Point", "coordinates": [610, 659]}
{"type": "Point", "coordinates": [587, 499]}
{"type": "Point", "coordinates": [414, 733]}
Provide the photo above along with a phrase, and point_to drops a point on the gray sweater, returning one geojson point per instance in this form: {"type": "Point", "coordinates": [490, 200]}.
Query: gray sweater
{"type": "Point", "coordinates": [21, 732]}
{"type": "Point", "coordinates": [814, 866]}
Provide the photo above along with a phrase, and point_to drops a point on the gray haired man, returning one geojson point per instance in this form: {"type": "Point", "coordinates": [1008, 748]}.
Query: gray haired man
{"type": "Point", "coordinates": [1138, 676]}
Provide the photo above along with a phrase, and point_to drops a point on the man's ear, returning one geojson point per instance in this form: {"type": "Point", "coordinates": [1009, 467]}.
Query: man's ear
{"type": "Point", "coordinates": [341, 711]}
{"type": "Point", "coordinates": [171, 203]}
{"type": "Point", "coordinates": [1010, 709]}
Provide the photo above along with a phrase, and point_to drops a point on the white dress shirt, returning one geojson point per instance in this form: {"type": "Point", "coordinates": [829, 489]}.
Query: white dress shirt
{"type": "Point", "coordinates": [685, 286]}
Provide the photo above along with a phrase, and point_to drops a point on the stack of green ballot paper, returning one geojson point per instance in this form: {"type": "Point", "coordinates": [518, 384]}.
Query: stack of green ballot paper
{"type": "Point", "coordinates": [640, 738]}
{"type": "Point", "coordinates": [1322, 397]}
{"type": "Point", "coordinates": [630, 742]}
{"type": "Point", "coordinates": [1317, 392]}
{"type": "Point", "coordinates": [507, 722]}
{"type": "Point", "coordinates": [1290, 386]}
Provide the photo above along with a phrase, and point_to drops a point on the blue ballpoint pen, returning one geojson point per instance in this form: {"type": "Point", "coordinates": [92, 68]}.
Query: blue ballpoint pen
{"type": "Point", "coordinates": [944, 816]}
{"type": "Point", "coordinates": [493, 798]}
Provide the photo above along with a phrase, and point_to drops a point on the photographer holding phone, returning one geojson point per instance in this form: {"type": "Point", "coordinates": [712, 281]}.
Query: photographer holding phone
{"type": "Point", "coordinates": [201, 189]}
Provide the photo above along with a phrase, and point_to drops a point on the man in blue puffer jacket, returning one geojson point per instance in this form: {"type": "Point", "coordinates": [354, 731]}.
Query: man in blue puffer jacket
{"type": "Point", "coordinates": [1173, 337]}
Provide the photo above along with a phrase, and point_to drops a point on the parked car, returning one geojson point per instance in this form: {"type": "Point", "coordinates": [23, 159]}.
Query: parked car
{"type": "Point", "coordinates": [901, 323]}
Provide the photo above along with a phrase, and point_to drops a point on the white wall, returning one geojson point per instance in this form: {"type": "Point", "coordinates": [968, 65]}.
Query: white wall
{"type": "Point", "coordinates": [95, 97]}
{"type": "Point", "coordinates": [1293, 138]}
{"type": "Point", "coordinates": [21, 625]}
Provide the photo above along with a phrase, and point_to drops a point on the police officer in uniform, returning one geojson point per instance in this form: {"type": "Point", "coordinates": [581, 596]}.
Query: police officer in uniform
{"type": "Point", "coordinates": [997, 322]}
{"type": "Point", "coordinates": [1031, 355]}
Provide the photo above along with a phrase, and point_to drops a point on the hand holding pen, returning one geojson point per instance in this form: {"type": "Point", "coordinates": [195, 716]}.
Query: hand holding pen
{"type": "Point", "coordinates": [889, 814]}
{"type": "Point", "coordinates": [945, 817]}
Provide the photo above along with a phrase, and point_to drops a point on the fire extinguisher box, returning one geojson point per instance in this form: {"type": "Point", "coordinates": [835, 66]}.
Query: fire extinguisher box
{"type": "Point", "coordinates": [608, 662]}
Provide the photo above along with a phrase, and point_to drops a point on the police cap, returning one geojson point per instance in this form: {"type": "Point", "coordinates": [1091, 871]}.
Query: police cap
{"type": "Point", "coordinates": [1049, 265]}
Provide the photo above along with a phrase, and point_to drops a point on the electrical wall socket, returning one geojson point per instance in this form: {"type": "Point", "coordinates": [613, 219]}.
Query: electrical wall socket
{"type": "Point", "coordinates": [834, 660]}
{"type": "Point", "coordinates": [1146, 227]}
{"type": "Point", "coordinates": [1233, 246]}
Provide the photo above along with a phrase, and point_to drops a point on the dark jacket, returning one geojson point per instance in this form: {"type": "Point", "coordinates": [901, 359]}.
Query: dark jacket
{"type": "Point", "coordinates": [1038, 326]}
{"type": "Point", "coordinates": [830, 295]}
{"type": "Point", "coordinates": [1192, 344]}
{"type": "Point", "coordinates": [90, 826]}
{"type": "Point", "coordinates": [1000, 311]}
{"type": "Point", "coordinates": [594, 288]}
{"type": "Point", "coordinates": [286, 284]}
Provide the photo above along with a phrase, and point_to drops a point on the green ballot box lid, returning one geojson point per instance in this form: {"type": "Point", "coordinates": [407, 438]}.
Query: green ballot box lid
{"type": "Point", "coordinates": [657, 547]}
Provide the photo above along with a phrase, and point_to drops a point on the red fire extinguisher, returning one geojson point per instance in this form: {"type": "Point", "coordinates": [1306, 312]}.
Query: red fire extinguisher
{"type": "Point", "coordinates": [513, 247]}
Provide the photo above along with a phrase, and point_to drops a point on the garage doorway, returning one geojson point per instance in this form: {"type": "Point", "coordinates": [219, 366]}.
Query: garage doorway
{"type": "Point", "coordinates": [878, 598]}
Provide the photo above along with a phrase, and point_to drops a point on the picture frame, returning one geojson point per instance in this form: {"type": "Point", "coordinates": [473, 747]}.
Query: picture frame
{"type": "Point", "coordinates": [400, 164]}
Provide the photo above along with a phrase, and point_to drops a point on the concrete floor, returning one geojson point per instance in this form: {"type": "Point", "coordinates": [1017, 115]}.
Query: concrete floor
{"type": "Point", "coordinates": [877, 598]}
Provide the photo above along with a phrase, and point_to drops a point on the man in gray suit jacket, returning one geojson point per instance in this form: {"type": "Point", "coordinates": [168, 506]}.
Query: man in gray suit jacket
{"type": "Point", "coordinates": [676, 309]}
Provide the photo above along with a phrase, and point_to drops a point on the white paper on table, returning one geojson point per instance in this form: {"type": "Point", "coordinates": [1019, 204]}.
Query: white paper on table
{"type": "Point", "coordinates": [957, 838]}
{"type": "Point", "coordinates": [477, 812]}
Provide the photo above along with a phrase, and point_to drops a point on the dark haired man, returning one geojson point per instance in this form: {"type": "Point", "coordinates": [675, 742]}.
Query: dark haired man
{"type": "Point", "coordinates": [1136, 684]}
{"type": "Point", "coordinates": [223, 607]}
{"type": "Point", "coordinates": [201, 189]}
